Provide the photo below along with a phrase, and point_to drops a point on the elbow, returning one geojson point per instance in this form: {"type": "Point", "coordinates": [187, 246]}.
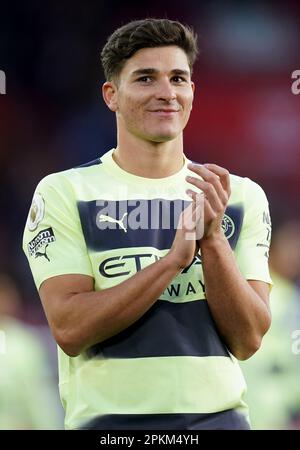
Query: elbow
{"type": "Point", "coordinates": [68, 342]}
{"type": "Point", "coordinates": [248, 349]}
{"type": "Point", "coordinates": [253, 344]}
{"type": "Point", "coordinates": [70, 351]}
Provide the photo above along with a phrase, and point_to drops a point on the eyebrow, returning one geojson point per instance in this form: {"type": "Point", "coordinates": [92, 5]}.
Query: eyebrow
{"type": "Point", "coordinates": [152, 71]}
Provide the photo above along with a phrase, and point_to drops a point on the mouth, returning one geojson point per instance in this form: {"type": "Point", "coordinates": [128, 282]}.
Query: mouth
{"type": "Point", "coordinates": [165, 112]}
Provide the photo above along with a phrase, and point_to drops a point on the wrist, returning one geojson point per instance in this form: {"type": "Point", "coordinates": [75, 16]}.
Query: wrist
{"type": "Point", "coordinates": [173, 262]}
{"type": "Point", "coordinates": [216, 238]}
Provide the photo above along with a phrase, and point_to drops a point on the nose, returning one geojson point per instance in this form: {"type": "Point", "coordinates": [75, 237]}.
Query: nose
{"type": "Point", "coordinates": [166, 91]}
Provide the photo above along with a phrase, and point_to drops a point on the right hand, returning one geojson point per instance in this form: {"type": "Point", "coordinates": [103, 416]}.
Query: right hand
{"type": "Point", "coordinates": [185, 245]}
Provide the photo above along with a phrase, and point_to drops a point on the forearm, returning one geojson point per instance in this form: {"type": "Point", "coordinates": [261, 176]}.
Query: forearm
{"type": "Point", "coordinates": [241, 316]}
{"type": "Point", "coordinates": [92, 317]}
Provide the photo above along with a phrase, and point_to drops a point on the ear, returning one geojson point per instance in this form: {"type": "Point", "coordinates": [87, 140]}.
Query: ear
{"type": "Point", "coordinates": [110, 95]}
{"type": "Point", "coordinates": [193, 89]}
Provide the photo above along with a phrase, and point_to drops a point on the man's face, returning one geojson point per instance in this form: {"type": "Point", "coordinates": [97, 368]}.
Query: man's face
{"type": "Point", "coordinates": [154, 95]}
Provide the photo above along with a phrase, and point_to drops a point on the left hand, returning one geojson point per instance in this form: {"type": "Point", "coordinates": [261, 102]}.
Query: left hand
{"type": "Point", "coordinates": [216, 188]}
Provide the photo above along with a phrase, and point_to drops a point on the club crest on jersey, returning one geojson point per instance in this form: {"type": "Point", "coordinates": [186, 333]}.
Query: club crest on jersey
{"type": "Point", "coordinates": [36, 213]}
{"type": "Point", "coordinates": [228, 226]}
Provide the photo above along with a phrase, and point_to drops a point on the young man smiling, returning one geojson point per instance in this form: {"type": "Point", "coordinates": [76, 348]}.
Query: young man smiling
{"type": "Point", "coordinates": [149, 322]}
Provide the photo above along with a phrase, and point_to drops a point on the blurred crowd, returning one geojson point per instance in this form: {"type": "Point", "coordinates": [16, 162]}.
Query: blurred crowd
{"type": "Point", "coordinates": [272, 374]}
{"type": "Point", "coordinates": [245, 118]}
{"type": "Point", "coordinates": [28, 384]}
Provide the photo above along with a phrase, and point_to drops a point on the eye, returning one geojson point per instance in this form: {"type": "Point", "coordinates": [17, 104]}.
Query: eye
{"type": "Point", "coordinates": [144, 79]}
{"type": "Point", "coordinates": [178, 79]}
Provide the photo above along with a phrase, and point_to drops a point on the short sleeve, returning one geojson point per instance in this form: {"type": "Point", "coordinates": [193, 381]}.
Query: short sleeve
{"type": "Point", "coordinates": [53, 240]}
{"type": "Point", "coordinates": [252, 250]}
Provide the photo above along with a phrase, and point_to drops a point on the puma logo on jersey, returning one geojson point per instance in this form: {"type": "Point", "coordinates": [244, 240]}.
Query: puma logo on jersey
{"type": "Point", "coordinates": [41, 242]}
{"type": "Point", "coordinates": [37, 254]}
{"type": "Point", "coordinates": [105, 218]}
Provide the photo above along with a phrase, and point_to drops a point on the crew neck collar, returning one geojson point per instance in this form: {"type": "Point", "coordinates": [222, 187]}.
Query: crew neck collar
{"type": "Point", "coordinates": [108, 161]}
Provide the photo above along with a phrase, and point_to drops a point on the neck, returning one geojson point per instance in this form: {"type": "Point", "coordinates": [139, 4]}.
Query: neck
{"type": "Point", "coordinates": [149, 159]}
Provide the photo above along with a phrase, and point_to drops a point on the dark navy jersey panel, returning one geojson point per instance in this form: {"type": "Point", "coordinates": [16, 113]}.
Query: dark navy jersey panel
{"type": "Point", "coordinates": [109, 225]}
{"type": "Point", "coordinates": [156, 334]}
{"type": "Point", "coordinates": [226, 420]}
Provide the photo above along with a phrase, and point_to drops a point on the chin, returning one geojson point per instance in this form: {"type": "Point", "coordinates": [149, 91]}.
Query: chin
{"type": "Point", "coordinates": [163, 137]}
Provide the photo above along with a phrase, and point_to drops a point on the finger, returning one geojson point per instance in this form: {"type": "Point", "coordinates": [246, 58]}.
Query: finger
{"type": "Point", "coordinates": [196, 208]}
{"type": "Point", "coordinates": [217, 199]}
{"type": "Point", "coordinates": [197, 197]}
{"type": "Point", "coordinates": [210, 177]}
{"type": "Point", "coordinates": [206, 214]}
{"type": "Point", "coordinates": [208, 211]}
{"type": "Point", "coordinates": [194, 212]}
{"type": "Point", "coordinates": [185, 218]}
{"type": "Point", "coordinates": [223, 174]}
{"type": "Point", "coordinates": [219, 172]}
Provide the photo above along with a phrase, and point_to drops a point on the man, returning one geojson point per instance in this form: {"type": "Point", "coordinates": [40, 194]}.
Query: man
{"type": "Point", "coordinates": [148, 328]}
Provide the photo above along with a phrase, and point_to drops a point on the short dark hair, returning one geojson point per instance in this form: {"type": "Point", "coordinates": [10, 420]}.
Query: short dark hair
{"type": "Point", "coordinates": [146, 33]}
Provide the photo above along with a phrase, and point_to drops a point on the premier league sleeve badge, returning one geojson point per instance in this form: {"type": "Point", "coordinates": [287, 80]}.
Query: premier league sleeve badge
{"type": "Point", "coordinates": [36, 212]}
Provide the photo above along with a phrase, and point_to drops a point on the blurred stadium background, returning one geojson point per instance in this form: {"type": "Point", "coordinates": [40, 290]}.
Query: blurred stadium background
{"type": "Point", "coordinates": [245, 118]}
